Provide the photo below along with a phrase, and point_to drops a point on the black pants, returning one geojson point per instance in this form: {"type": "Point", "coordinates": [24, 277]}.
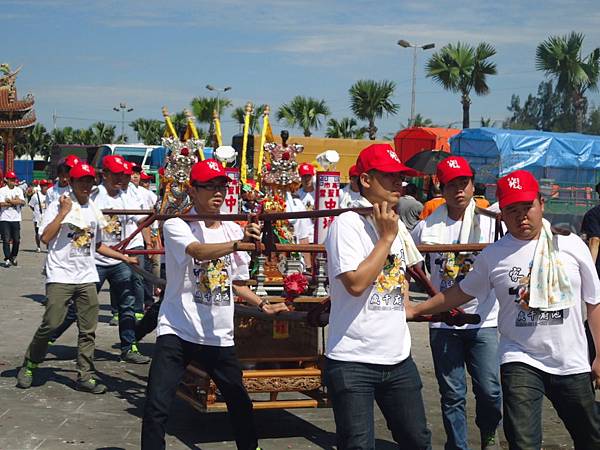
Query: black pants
{"type": "Point", "coordinates": [10, 231]}
{"type": "Point", "coordinates": [171, 356]}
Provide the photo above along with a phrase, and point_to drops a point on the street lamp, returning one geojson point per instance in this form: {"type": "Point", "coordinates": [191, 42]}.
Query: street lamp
{"type": "Point", "coordinates": [406, 44]}
{"type": "Point", "coordinates": [210, 87]}
{"type": "Point", "coordinates": [123, 108]}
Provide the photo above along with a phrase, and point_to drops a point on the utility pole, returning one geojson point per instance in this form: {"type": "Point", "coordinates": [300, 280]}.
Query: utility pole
{"type": "Point", "coordinates": [123, 108]}
{"type": "Point", "coordinates": [406, 44]}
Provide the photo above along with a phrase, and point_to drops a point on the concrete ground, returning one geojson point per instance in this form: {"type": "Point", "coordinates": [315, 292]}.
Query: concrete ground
{"type": "Point", "coordinates": [52, 415]}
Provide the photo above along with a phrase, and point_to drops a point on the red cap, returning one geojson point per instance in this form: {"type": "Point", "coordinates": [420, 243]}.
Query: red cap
{"type": "Point", "coordinates": [44, 182]}
{"type": "Point", "coordinates": [10, 175]}
{"type": "Point", "coordinates": [161, 171]}
{"type": "Point", "coordinates": [113, 163]}
{"type": "Point", "coordinates": [144, 176]}
{"type": "Point", "coordinates": [128, 167]}
{"type": "Point", "coordinates": [72, 160]}
{"type": "Point", "coordinates": [353, 172]}
{"type": "Point", "coordinates": [82, 170]}
{"type": "Point", "coordinates": [380, 157]}
{"type": "Point", "coordinates": [517, 186]}
{"type": "Point", "coordinates": [453, 167]}
{"type": "Point", "coordinates": [207, 170]}
{"type": "Point", "coordinates": [36, 182]}
{"type": "Point", "coordinates": [306, 169]}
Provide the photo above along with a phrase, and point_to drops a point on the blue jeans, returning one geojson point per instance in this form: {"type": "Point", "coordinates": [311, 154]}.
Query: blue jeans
{"type": "Point", "coordinates": [524, 387]}
{"type": "Point", "coordinates": [477, 349]}
{"type": "Point", "coordinates": [119, 278]}
{"type": "Point", "coordinates": [352, 388]}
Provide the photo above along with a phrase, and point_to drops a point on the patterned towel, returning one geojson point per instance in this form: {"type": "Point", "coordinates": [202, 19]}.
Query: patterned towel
{"type": "Point", "coordinates": [549, 285]}
{"type": "Point", "coordinates": [75, 216]}
{"type": "Point", "coordinates": [435, 229]}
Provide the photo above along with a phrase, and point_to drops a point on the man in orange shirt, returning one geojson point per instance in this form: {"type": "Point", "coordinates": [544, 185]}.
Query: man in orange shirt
{"type": "Point", "coordinates": [432, 204]}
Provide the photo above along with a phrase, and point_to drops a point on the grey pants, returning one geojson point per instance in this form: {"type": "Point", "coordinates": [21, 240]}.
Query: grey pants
{"type": "Point", "coordinates": [86, 303]}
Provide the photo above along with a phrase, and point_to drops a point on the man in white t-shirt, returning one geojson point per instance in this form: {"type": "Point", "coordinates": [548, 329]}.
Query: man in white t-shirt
{"type": "Point", "coordinates": [350, 192]}
{"type": "Point", "coordinates": [306, 193]}
{"type": "Point", "coordinates": [472, 346]}
{"type": "Point", "coordinates": [195, 323]}
{"type": "Point", "coordinates": [12, 200]}
{"type": "Point", "coordinates": [543, 350]}
{"type": "Point", "coordinates": [37, 203]}
{"type": "Point", "coordinates": [368, 346]}
{"type": "Point", "coordinates": [62, 174]}
{"type": "Point", "coordinates": [71, 228]}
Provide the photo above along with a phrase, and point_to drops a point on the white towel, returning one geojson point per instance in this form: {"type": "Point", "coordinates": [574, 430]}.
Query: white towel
{"type": "Point", "coordinates": [411, 253]}
{"type": "Point", "coordinates": [75, 216]}
{"type": "Point", "coordinates": [549, 285]}
{"type": "Point", "coordinates": [435, 226]}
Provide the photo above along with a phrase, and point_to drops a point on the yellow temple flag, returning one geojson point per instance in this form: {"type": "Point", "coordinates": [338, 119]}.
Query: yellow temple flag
{"type": "Point", "coordinates": [244, 168]}
{"type": "Point", "coordinates": [269, 133]}
{"type": "Point", "coordinates": [261, 152]}
{"type": "Point", "coordinates": [218, 131]}
{"type": "Point", "coordinates": [170, 129]}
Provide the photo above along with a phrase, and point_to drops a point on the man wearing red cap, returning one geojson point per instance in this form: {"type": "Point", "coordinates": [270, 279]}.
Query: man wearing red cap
{"type": "Point", "coordinates": [368, 347]}
{"type": "Point", "coordinates": [195, 323]}
{"type": "Point", "coordinates": [37, 203]}
{"type": "Point", "coordinates": [306, 193]}
{"type": "Point", "coordinates": [12, 200]}
{"type": "Point", "coordinates": [458, 221]}
{"type": "Point", "coordinates": [62, 174]}
{"type": "Point", "coordinates": [71, 228]}
{"type": "Point", "coordinates": [350, 192]}
{"type": "Point", "coordinates": [541, 278]}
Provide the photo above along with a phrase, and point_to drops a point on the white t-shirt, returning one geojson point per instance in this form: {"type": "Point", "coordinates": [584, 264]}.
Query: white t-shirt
{"type": "Point", "coordinates": [370, 328]}
{"type": "Point", "coordinates": [38, 204]}
{"type": "Point", "coordinates": [308, 198]}
{"type": "Point", "coordinates": [303, 228]}
{"type": "Point", "coordinates": [133, 200]}
{"type": "Point", "coordinates": [148, 197]}
{"type": "Point", "coordinates": [198, 305]}
{"type": "Point", "coordinates": [11, 213]}
{"type": "Point", "coordinates": [553, 342]}
{"type": "Point", "coordinates": [55, 192]}
{"type": "Point", "coordinates": [348, 196]}
{"type": "Point", "coordinates": [71, 254]}
{"type": "Point", "coordinates": [114, 232]}
{"type": "Point", "coordinates": [449, 268]}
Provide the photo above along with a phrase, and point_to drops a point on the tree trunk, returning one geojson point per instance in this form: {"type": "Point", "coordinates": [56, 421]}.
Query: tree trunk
{"type": "Point", "coordinates": [579, 104]}
{"type": "Point", "coordinates": [307, 132]}
{"type": "Point", "coordinates": [372, 130]}
{"type": "Point", "coordinates": [466, 105]}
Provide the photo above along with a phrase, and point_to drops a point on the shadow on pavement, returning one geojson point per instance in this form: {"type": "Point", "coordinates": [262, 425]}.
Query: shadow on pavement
{"type": "Point", "coordinates": [38, 298]}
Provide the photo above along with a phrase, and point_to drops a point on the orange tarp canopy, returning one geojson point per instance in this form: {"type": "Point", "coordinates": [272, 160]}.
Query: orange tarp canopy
{"type": "Point", "coordinates": [410, 141]}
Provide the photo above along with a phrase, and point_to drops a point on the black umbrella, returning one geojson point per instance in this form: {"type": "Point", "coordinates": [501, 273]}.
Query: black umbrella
{"type": "Point", "coordinates": [426, 162]}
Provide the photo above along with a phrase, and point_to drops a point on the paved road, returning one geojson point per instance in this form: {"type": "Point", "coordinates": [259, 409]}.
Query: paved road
{"type": "Point", "coordinates": [52, 415]}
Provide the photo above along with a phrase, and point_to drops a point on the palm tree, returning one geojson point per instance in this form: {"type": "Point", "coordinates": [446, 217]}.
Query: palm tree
{"type": "Point", "coordinates": [100, 133]}
{"type": "Point", "coordinates": [34, 141]}
{"type": "Point", "coordinates": [560, 57]}
{"type": "Point", "coordinates": [303, 112]}
{"type": "Point", "coordinates": [462, 68]}
{"type": "Point", "coordinates": [239, 115]}
{"type": "Point", "coordinates": [149, 131]}
{"type": "Point", "coordinates": [369, 99]}
{"type": "Point", "coordinates": [419, 121]}
{"type": "Point", "coordinates": [203, 108]}
{"type": "Point", "coordinates": [345, 128]}
{"type": "Point", "coordinates": [63, 136]}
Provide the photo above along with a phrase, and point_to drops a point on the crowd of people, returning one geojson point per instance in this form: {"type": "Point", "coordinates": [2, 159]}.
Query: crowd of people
{"type": "Point", "coordinates": [531, 287]}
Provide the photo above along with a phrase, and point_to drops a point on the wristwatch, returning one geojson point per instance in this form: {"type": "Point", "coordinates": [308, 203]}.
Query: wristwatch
{"type": "Point", "coordinates": [262, 304]}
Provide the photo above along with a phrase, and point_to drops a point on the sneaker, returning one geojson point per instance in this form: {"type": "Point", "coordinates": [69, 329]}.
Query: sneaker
{"type": "Point", "coordinates": [134, 356]}
{"type": "Point", "coordinates": [14, 262]}
{"type": "Point", "coordinates": [91, 386]}
{"type": "Point", "coordinates": [489, 442]}
{"type": "Point", "coordinates": [139, 316]}
{"type": "Point", "coordinates": [114, 321]}
{"type": "Point", "coordinates": [6, 263]}
{"type": "Point", "coordinates": [25, 375]}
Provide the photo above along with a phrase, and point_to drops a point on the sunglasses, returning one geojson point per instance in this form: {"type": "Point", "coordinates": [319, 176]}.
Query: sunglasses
{"type": "Point", "coordinates": [211, 186]}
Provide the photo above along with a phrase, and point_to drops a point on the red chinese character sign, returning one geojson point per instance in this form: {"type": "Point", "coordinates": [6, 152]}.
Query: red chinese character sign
{"type": "Point", "coordinates": [231, 205]}
{"type": "Point", "coordinates": [327, 197]}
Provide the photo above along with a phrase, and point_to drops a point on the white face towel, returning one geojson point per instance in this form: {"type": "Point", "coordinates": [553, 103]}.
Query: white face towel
{"type": "Point", "coordinates": [76, 218]}
{"type": "Point", "coordinates": [412, 254]}
{"type": "Point", "coordinates": [435, 226]}
{"type": "Point", "coordinates": [549, 285]}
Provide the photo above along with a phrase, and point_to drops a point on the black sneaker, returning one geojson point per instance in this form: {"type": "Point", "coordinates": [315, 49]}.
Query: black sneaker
{"type": "Point", "coordinates": [6, 263]}
{"type": "Point", "coordinates": [14, 262]}
{"type": "Point", "coordinates": [91, 386]}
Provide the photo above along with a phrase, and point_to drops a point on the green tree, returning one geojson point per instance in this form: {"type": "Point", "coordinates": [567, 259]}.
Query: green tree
{"type": "Point", "coordinates": [593, 123]}
{"type": "Point", "coordinates": [561, 58]}
{"type": "Point", "coordinates": [303, 112]}
{"type": "Point", "coordinates": [419, 121]}
{"type": "Point", "coordinates": [462, 68]}
{"type": "Point", "coordinates": [34, 141]}
{"type": "Point", "coordinates": [370, 99]}
{"type": "Point", "coordinates": [345, 128]}
{"type": "Point", "coordinates": [204, 107]}
{"type": "Point", "coordinates": [239, 114]}
{"type": "Point", "coordinates": [149, 131]}
{"type": "Point", "coordinates": [101, 133]}
{"type": "Point", "coordinates": [63, 136]}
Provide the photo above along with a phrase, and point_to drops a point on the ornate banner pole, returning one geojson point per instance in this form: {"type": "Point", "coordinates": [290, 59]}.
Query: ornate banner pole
{"type": "Point", "coordinates": [170, 129]}
{"type": "Point", "coordinates": [244, 165]}
{"type": "Point", "coordinates": [263, 139]}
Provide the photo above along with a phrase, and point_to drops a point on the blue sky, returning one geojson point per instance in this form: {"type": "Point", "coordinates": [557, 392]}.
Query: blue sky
{"type": "Point", "coordinates": [81, 58]}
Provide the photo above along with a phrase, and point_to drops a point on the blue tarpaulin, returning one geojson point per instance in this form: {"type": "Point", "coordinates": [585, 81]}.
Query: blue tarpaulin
{"type": "Point", "coordinates": [566, 158]}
